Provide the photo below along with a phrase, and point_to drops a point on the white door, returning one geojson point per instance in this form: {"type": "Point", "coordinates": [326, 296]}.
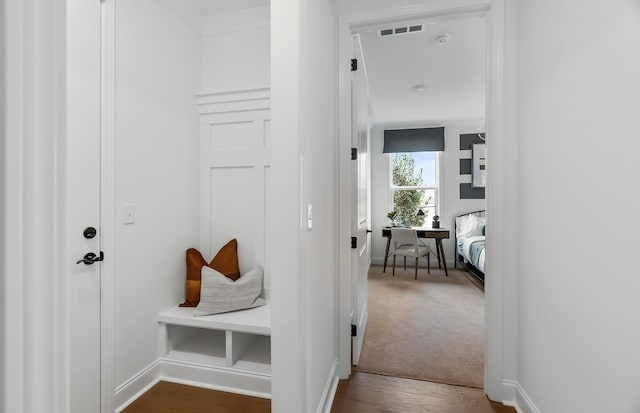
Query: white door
{"type": "Point", "coordinates": [82, 179]}
{"type": "Point", "coordinates": [359, 201]}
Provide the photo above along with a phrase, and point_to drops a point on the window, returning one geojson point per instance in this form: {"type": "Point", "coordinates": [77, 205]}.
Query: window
{"type": "Point", "coordinates": [414, 186]}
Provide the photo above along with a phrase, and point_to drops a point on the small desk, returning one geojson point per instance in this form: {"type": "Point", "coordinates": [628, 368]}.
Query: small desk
{"type": "Point", "coordinates": [436, 233]}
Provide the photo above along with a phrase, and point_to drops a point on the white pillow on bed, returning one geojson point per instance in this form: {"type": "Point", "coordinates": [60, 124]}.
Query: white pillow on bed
{"type": "Point", "coordinates": [472, 226]}
{"type": "Point", "coordinates": [479, 230]}
{"type": "Point", "coordinates": [461, 222]}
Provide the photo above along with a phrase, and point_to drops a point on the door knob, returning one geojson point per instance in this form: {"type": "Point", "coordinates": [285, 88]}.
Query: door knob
{"type": "Point", "coordinates": [89, 258]}
{"type": "Point", "coordinates": [89, 232]}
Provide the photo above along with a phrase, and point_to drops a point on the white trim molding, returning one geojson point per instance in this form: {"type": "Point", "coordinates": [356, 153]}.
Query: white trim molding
{"type": "Point", "coordinates": [498, 333]}
{"type": "Point", "coordinates": [329, 392]}
{"type": "Point", "coordinates": [108, 209]}
{"type": "Point", "coordinates": [518, 398]}
{"type": "Point", "coordinates": [524, 404]}
{"type": "Point", "coordinates": [136, 386]}
{"type": "Point", "coordinates": [34, 357]}
{"type": "Point", "coordinates": [191, 374]}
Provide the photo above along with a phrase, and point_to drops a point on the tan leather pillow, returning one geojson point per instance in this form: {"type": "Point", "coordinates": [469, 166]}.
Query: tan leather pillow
{"type": "Point", "coordinates": [195, 262]}
{"type": "Point", "coordinates": [225, 262]}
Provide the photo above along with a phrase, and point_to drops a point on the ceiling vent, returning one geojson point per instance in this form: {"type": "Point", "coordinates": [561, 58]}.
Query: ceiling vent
{"type": "Point", "coordinates": [401, 30]}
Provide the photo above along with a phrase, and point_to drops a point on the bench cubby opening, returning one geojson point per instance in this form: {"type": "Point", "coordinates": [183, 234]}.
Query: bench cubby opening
{"type": "Point", "coordinates": [237, 343]}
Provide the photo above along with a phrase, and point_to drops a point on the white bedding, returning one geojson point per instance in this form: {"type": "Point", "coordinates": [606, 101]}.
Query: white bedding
{"type": "Point", "coordinates": [464, 249]}
{"type": "Point", "coordinates": [471, 239]}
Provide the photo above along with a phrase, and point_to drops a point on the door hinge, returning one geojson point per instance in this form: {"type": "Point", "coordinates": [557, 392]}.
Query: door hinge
{"type": "Point", "coordinates": [354, 154]}
{"type": "Point", "coordinates": [354, 330]}
{"type": "Point", "coordinates": [354, 65]}
{"type": "Point", "coordinates": [354, 242]}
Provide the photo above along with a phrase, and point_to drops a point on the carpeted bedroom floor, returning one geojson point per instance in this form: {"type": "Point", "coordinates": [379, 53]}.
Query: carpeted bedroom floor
{"type": "Point", "coordinates": [431, 329]}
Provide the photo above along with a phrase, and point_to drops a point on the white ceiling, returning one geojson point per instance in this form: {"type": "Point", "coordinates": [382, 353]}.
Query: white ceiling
{"type": "Point", "coordinates": [225, 6]}
{"type": "Point", "coordinates": [453, 73]}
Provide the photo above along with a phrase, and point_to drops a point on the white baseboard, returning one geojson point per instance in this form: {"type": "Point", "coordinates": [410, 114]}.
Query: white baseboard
{"type": "Point", "coordinates": [136, 386]}
{"type": "Point", "coordinates": [192, 374]}
{"type": "Point", "coordinates": [518, 398]}
{"type": "Point", "coordinates": [509, 390]}
{"type": "Point", "coordinates": [329, 392]}
{"type": "Point", "coordinates": [523, 401]}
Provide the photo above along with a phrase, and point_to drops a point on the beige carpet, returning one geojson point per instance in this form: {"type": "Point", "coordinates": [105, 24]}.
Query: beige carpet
{"type": "Point", "coordinates": [430, 329]}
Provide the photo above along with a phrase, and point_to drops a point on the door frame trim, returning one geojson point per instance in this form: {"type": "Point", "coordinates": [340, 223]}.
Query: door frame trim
{"type": "Point", "coordinates": [34, 354]}
{"type": "Point", "coordinates": [107, 204]}
{"type": "Point", "coordinates": [35, 329]}
{"type": "Point", "coordinates": [357, 317]}
{"type": "Point", "coordinates": [499, 356]}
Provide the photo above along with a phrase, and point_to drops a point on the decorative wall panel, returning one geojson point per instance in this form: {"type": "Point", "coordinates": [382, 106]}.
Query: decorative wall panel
{"type": "Point", "coordinates": [235, 139]}
{"type": "Point", "coordinates": [466, 190]}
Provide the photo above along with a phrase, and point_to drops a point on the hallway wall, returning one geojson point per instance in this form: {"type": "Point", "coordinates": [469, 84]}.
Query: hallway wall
{"type": "Point", "coordinates": [3, 200]}
{"type": "Point", "coordinates": [319, 177]}
{"type": "Point", "coordinates": [577, 290]}
{"type": "Point", "coordinates": [157, 75]}
{"type": "Point", "coordinates": [304, 268]}
{"type": "Point", "coordinates": [236, 50]}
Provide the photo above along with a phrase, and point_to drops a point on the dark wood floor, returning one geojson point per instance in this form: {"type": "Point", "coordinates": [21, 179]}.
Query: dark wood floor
{"type": "Point", "coordinates": [167, 397]}
{"type": "Point", "coordinates": [372, 393]}
{"type": "Point", "coordinates": [362, 393]}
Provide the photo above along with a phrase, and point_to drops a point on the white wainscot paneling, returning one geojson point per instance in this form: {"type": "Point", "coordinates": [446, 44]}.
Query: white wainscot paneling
{"type": "Point", "coordinates": [268, 208]}
{"type": "Point", "coordinates": [235, 140]}
{"type": "Point", "coordinates": [233, 192]}
{"type": "Point", "coordinates": [235, 135]}
{"type": "Point", "coordinates": [267, 133]}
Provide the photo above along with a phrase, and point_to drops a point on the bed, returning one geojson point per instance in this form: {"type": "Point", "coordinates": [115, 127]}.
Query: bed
{"type": "Point", "coordinates": [470, 242]}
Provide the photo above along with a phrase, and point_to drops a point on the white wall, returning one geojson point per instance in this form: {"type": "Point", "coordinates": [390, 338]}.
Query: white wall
{"type": "Point", "coordinates": [288, 362]}
{"type": "Point", "coordinates": [236, 50]}
{"type": "Point", "coordinates": [32, 136]}
{"type": "Point", "coordinates": [318, 133]}
{"type": "Point", "coordinates": [3, 237]}
{"type": "Point", "coordinates": [303, 280]}
{"type": "Point", "coordinates": [579, 310]}
{"type": "Point", "coordinates": [450, 202]}
{"type": "Point", "coordinates": [157, 75]}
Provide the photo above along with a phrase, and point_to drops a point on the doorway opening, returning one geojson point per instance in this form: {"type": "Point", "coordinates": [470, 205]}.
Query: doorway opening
{"type": "Point", "coordinates": [429, 78]}
{"type": "Point", "coordinates": [494, 86]}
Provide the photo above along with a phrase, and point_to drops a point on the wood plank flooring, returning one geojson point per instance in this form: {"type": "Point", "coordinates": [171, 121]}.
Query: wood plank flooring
{"type": "Point", "coordinates": [372, 393]}
{"type": "Point", "coordinates": [362, 393]}
{"type": "Point", "coordinates": [167, 397]}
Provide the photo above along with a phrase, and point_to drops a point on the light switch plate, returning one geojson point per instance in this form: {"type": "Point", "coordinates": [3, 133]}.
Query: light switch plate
{"type": "Point", "coordinates": [128, 214]}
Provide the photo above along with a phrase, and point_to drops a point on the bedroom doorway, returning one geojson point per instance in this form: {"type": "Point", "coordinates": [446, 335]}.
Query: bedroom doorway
{"type": "Point", "coordinates": [493, 374]}
{"type": "Point", "coordinates": [409, 336]}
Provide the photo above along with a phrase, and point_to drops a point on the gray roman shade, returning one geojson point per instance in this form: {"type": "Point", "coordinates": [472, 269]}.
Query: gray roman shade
{"type": "Point", "coordinates": [414, 140]}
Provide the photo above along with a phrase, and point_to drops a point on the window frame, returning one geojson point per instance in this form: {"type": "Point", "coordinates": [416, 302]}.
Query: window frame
{"type": "Point", "coordinates": [437, 189]}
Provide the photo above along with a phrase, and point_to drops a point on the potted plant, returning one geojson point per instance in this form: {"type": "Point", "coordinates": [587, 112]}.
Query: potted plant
{"type": "Point", "coordinates": [392, 217]}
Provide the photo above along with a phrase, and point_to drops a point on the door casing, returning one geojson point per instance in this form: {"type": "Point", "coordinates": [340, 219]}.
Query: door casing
{"type": "Point", "coordinates": [360, 197]}
{"type": "Point", "coordinates": [499, 334]}
{"type": "Point", "coordinates": [104, 20]}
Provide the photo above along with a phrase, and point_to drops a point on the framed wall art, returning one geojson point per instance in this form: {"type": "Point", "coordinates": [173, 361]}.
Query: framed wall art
{"type": "Point", "coordinates": [479, 165]}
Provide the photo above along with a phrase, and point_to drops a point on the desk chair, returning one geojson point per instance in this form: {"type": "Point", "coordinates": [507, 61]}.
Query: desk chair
{"type": "Point", "coordinates": [404, 242]}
